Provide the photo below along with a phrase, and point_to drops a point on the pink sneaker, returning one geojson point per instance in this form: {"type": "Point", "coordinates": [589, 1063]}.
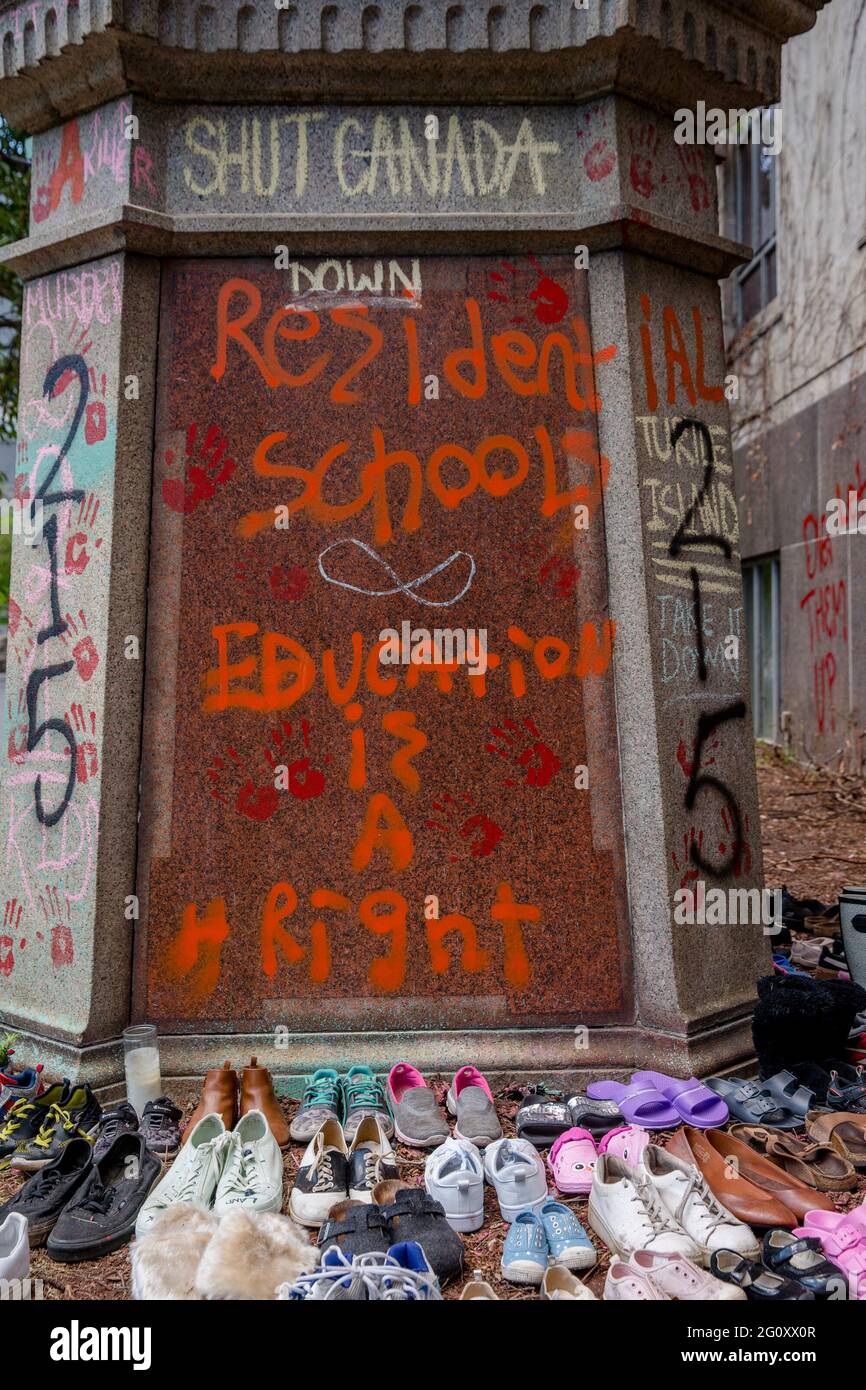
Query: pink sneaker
{"type": "Point", "coordinates": [572, 1161]}
{"type": "Point", "coordinates": [628, 1142]}
{"type": "Point", "coordinates": [469, 1098]}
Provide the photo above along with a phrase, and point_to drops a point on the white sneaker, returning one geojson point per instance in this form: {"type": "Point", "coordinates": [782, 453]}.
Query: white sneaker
{"type": "Point", "coordinates": [625, 1211]}
{"type": "Point", "coordinates": [323, 1176]}
{"type": "Point", "coordinates": [626, 1284]}
{"type": "Point", "coordinates": [454, 1176]}
{"type": "Point", "coordinates": [685, 1196]}
{"type": "Point", "coordinates": [194, 1175]}
{"type": "Point", "coordinates": [517, 1172]}
{"type": "Point", "coordinates": [14, 1247]}
{"type": "Point", "coordinates": [252, 1175]}
{"type": "Point", "coordinates": [371, 1159]}
{"type": "Point", "coordinates": [673, 1276]}
{"type": "Point", "coordinates": [560, 1283]}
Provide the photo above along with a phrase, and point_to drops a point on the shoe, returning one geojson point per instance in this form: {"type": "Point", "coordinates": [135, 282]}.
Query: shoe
{"type": "Point", "coordinates": [357, 1228]}
{"type": "Point", "coordinates": [371, 1159]}
{"type": "Point", "coordinates": [803, 1260]}
{"type": "Point", "coordinates": [598, 1116]}
{"type": "Point", "coordinates": [674, 1276]}
{"type": "Point", "coordinates": [194, 1175]}
{"type": "Point", "coordinates": [338, 1277]}
{"type": "Point", "coordinates": [252, 1173]}
{"type": "Point", "coordinates": [628, 1143]}
{"type": "Point", "coordinates": [321, 1102]}
{"type": "Point", "coordinates": [401, 1275]}
{"type": "Point", "coordinates": [683, 1192]}
{"type": "Point", "coordinates": [478, 1289]}
{"type": "Point", "coordinates": [121, 1120]}
{"type": "Point", "coordinates": [405, 1275]}
{"type": "Point", "coordinates": [517, 1172]}
{"type": "Point", "coordinates": [454, 1176]}
{"type": "Point", "coordinates": [24, 1118]}
{"type": "Point", "coordinates": [160, 1125]}
{"type": "Point", "coordinates": [323, 1177]}
{"type": "Point", "coordinates": [757, 1283]}
{"type": "Point", "coordinates": [567, 1240]}
{"type": "Point", "coordinates": [219, 1096]}
{"type": "Point", "coordinates": [571, 1161]}
{"type": "Point", "coordinates": [101, 1216]}
{"type": "Point", "coordinates": [733, 1171]}
{"type": "Point", "coordinates": [625, 1210]}
{"type": "Point", "coordinates": [470, 1100]}
{"type": "Point", "coordinates": [418, 1121]}
{"type": "Point", "coordinates": [415, 1216]}
{"type": "Point", "coordinates": [362, 1095]}
{"type": "Point", "coordinates": [842, 1238]}
{"type": "Point", "coordinates": [627, 1284]}
{"type": "Point", "coordinates": [559, 1283]}
{"type": "Point", "coordinates": [14, 1250]}
{"type": "Point", "coordinates": [541, 1118]}
{"type": "Point", "coordinates": [80, 1116]}
{"type": "Point", "coordinates": [19, 1085]}
{"type": "Point", "coordinates": [257, 1093]}
{"type": "Point", "coordinates": [43, 1197]}
{"type": "Point", "coordinates": [525, 1252]}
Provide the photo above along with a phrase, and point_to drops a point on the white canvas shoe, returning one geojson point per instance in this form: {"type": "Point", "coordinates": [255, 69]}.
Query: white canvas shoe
{"type": "Point", "coordinates": [454, 1177]}
{"type": "Point", "coordinates": [517, 1172]}
{"type": "Point", "coordinates": [627, 1284]}
{"type": "Point", "coordinates": [323, 1176]}
{"type": "Point", "coordinates": [685, 1196]}
{"type": "Point", "coordinates": [673, 1276]}
{"type": "Point", "coordinates": [252, 1175]}
{"type": "Point", "coordinates": [371, 1159]}
{"type": "Point", "coordinates": [14, 1247]}
{"type": "Point", "coordinates": [194, 1175]}
{"type": "Point", "coordinates": [626, 1212]}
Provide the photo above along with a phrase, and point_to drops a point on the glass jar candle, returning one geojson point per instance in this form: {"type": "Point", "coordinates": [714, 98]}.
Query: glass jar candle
{"type": "Point", "coordinates": [141, 1063]}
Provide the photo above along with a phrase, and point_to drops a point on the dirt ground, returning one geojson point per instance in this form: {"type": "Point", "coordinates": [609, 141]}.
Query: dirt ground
{"type": "Point", "coordinates": [813, 827]}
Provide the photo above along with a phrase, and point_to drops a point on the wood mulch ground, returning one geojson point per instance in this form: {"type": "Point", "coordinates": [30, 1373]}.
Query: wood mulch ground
{"type": "Point", "coordinates": [813, 826]}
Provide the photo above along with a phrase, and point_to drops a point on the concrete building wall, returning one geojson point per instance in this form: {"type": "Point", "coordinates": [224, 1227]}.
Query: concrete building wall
{"type": "Point", "coordinates": [800, 420]}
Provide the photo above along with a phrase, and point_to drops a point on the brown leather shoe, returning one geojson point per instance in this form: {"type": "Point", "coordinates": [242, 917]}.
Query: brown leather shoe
{"type": "Point", "coordinates": [257, 1093]}
{"type": "Point", "coordinates": [219, 1096]}
{"type": "Point", "coordinates": [734, 1185]}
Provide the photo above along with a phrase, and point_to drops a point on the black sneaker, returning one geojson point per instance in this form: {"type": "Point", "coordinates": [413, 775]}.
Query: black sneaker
{"type": "Point", "coordinates": [78, 1117]}
{"type": "Point", "coordinates": [160, 1125]}
{"type": "Point", "coordinates": [101, 1216]}
{"type": "Point", "coordinates": [43, 1197]}
{"type": "Point", "coordinates": [323, 1177]}
{"type": "Point", "coordinates": [359, 1230]}
{"type": "Point", "coordinates": [121, 1120]}
{"type": "Point", "coordinates": [25, 1118]}
{"type": "Point", "coordinates": [363, 1095]}
{"type": "Point", "coordinates": [415, 1216]}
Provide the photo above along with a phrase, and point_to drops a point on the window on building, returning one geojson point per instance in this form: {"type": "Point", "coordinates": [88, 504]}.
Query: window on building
{"type": "Point", "coordinates": [753, 192]}
{"type": "Point", "coordinates": [761, 594]}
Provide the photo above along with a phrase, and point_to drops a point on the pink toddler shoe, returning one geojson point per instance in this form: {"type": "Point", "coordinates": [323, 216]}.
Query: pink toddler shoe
{"type": "Point", "coordinates": [572, 1161]}
{"type": "Point", "coordinates": [628, 1143]}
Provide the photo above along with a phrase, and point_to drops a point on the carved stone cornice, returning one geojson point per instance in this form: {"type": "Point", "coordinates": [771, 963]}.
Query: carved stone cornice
{"type": "Point", "coordinates": [61, 57]}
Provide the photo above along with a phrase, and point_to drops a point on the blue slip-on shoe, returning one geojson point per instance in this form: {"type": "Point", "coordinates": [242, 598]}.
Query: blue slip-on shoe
{"type": "Point", "coordinates": [524, 1255]}
{"type": "Point", "coordinates": [569, 1244]}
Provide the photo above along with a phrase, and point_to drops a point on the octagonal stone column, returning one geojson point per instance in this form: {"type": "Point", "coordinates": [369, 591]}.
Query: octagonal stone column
{"type": "Point", "coordinates": [169, 134]}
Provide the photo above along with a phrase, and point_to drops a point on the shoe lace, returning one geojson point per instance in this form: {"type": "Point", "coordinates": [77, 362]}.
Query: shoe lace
{"type": "Point", "coordinates": [653, 1212]}
{"type": "Point", "coordinates": [363, 1091]}
{"type": "Point", "coordinates": [157, 1120]}
{"type": "Point", "coordinates": [324, 1173]}
{"type": "Point", "coordinates": [56, 1116]}
{"type": "Point", "coordinates": [710, 1211]}
{"type": "Point", "coordinates": [100, 1200]}
{"type": "Point", "coordinates": [187, 1190]}
{"type": "Point", "coordinates": [243, 1174]}
{"type": "Point", "coordinates": [16, 1116]}
{"type": "Point", "coordinates": [322, 1090]}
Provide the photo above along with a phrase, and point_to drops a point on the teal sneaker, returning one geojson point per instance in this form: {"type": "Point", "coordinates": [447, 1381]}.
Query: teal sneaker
{"type": "Point", "coordinates": [321, 1102]}
{"type": "Point", "coordinates": [363, 1095]}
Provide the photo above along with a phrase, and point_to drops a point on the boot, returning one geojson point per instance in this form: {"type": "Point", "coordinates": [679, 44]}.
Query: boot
{"type": "Point", "coordinates": [219, 1096]}
{"type": "Point", "coordinates": [257, 1093]}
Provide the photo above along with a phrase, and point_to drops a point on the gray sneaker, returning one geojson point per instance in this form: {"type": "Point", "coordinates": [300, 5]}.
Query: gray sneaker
{"type": "Point", "coordinates": [470, 1100]}
{"type": "Point", "coordinates": [418, 1121]}
{"type": "Point", "coordinates": [321, 1102]}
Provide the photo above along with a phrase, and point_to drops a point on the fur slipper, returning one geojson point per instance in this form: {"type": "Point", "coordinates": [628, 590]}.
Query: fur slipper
{"type": "Point", "coordinates": [250, 1254]}
{"type": "Point", "coordinates": [165, 1261]}
{"type": "Point", "coordinates": [799, 1019]}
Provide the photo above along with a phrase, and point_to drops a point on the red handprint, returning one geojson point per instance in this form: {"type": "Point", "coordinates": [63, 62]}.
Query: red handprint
{"type": "Point", "coordinates": [600, 158]}
{"type": "Point", "coordinates": [645, 141]}
{"type": "Point", "coordinates": [549, 298]}
{"type": "Point", "coordinates": [477, 832]}
{"type": "Point", "coordinates": [694, 170]}
{"type": "Point", "coordinates": [537, 761]}
{"type": "Point", "coordinates": [203, 478]}
{"type": "Point", "coordinates": [305, 781]}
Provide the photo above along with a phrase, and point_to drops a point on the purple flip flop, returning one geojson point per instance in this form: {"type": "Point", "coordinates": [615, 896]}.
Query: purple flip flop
{"type": "Point", "coordinates": [693, 1101]}
{"type": "Point", "coordinates": [641, 1103]}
